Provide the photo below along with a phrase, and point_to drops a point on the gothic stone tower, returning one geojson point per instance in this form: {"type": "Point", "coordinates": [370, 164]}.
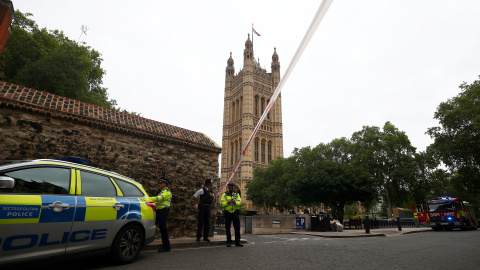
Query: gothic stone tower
{"type": "Point", "coordinates": [246, 97]}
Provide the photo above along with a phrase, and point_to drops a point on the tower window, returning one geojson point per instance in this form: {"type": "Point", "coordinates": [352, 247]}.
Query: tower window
{"type": "Point", "coordinates": [268, 114]}
{"type": "Point", "coordinates": [262, 105]}
{"type": "Point", "coordinates": [263, 151]}
{"type": "Point", "coordinates": [239, 147]}
{"type": "Point", "coordinates": [231, 154]}
{"type": "Point", "coordinates": [269, 151]}
{"type": "Point", "coordinates": [236, 150]}
{"type": "Point", "coordinates": [241, 106]}
{"type": "Point", "coordinates": [256, 150]}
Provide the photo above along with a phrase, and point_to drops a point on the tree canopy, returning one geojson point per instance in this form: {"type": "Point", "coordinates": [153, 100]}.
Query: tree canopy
{"type": "Point", "coordinates": [270, 187]}
{"type": "Point", "coordinates": [326, 175]}
{"type": "Point", "coordinates": [374, 165]}
{"type": "Point", "coordinates": [389, 157]}
{"type": "Point", "coordinates": [49, 61]}
{"type": "Point", "coordinates": [457, 139]}
{"type": "Point", "coordinates": [310, 177]}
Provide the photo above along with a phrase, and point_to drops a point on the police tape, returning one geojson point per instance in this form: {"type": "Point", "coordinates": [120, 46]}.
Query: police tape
{"type": "Point", "coordinates": [322, 10]}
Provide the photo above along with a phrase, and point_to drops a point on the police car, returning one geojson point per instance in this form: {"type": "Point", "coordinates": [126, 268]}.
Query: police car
{"type": "Point", "coordinates": [53, 207]}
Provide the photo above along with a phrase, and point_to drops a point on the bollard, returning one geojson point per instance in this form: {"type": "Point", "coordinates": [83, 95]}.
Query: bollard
{"type": "Point", "coordinates": [367, 225]}
{"type": "Point", "coordinates": [399, 225]}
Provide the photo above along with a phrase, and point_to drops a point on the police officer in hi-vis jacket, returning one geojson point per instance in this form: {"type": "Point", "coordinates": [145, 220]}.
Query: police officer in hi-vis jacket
{"type": "Point", "coordinates": [162, 202]}
{"type": "Point", "coordinates": [231, 203]}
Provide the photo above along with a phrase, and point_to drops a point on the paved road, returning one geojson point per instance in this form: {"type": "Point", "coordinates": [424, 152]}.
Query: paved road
{"type": "Point", "coordinates": [426, 250]}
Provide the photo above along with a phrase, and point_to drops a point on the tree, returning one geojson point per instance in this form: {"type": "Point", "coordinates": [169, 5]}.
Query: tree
{"type": "Point", "coordinates": [269, 187]}
{"type": "Point", "coordinates": [327, 176]}
{"type": "Point", "coordinates": [389, 157]}
{"type": "Point", "coordinates": [51, 62]}
{"type": "Point", "coordinates": [457, 139]}
{"type": "Point", "coordinates": [426, 181]}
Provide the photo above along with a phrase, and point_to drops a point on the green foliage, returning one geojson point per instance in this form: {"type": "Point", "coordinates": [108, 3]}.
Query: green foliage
{"type": "Point", "coordinates": [269, 189]}
{"type": "Point", "coordinates": [328, 176]}
{"type": "Point", "coordinates": [389, 157]}
{"type": "Point", "coordinates": [242, 210]}
{"type": "Point", "coordinates": [457, 139]}
{"type": "Point", "coordinates": [47, 60]}
{"type": "Point", "coordinates": [375, 165]}
{"type": "Point", "coordinates": [351, 211]}
{"type": "Point", "coordinates": [312, 176]}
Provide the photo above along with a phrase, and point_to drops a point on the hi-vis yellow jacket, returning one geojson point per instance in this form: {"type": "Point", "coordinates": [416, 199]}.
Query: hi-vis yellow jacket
{"type": "Point", "coordinates": [232, 207]}
{"type": "Point", "coordinates": [163, 199]}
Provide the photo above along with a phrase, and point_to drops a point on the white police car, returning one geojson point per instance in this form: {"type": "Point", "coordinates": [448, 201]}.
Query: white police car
{"type": "Point", "coordinates": [52, 207]}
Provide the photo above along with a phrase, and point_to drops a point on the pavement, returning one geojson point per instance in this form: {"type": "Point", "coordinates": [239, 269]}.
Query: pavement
{"type": "Point", "coordinates": [218, 240]}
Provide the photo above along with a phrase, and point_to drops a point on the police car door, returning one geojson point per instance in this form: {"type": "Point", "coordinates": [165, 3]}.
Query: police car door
{"type": "Point", "coordinates": [100, 212]}
{"type": "Point", "coordinates": [36, 214]}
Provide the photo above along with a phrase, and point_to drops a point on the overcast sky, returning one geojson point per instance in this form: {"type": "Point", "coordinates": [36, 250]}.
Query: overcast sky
{"type": "Point", "coordinates": [369, 61]}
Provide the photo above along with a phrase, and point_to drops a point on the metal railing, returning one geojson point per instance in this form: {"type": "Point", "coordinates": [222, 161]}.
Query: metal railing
{"type": "Point", "coordinates": [379, 223]}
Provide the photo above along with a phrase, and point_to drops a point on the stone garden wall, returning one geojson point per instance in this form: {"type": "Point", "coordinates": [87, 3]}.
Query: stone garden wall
{"type": "Point", "coordinates": [35, 125]}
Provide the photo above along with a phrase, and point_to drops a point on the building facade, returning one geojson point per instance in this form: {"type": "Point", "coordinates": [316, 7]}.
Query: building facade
{"type": "Point", "coordinates": [247, 94]}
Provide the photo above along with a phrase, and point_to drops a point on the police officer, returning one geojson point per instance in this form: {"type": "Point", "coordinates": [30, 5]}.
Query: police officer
{"type": "Point", "coordinates": [231, 203]}
{"type": "Point", "coordinates": [204, 198]}
{"type": "Point", "coordinates": [162, 202]}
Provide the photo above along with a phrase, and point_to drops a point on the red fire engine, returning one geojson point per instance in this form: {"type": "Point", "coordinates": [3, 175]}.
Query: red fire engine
{"type": "Point", "coordinates": [446, 213]}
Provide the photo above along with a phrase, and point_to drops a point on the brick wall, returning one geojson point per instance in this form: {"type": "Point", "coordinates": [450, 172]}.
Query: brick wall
{"type": "Point", "coordinates": [35, 124]}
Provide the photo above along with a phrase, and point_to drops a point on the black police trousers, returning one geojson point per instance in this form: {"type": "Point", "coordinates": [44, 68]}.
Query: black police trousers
{"type": "Point", "coordinates": [229, 218]}
{"type": "Point", "coordinates": [161, 221]}
{"type": "Point", "coordinates": [203, 221]}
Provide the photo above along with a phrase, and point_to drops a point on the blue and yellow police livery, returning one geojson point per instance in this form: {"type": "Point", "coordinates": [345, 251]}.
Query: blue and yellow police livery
{"type": "Point", "coordinates": [52, 207]}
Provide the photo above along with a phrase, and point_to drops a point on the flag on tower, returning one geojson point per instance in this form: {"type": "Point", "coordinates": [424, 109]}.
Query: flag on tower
{"type": "Point", "coordinates": [255, 32]}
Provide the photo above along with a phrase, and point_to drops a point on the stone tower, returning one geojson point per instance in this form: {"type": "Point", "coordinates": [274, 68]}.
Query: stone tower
{"type": "Point", "coordinates": [247, 94]}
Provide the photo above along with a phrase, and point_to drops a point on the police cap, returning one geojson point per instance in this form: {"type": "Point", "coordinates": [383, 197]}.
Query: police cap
{"type": "Point", "coordinates": [208, 181]}
{"type": "Point", "coordinates": [163, 180]}
{"type": "Point", "coordinates": [231, 185]}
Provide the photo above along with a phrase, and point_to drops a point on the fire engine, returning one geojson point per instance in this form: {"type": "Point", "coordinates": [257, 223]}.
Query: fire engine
{"type": "Point", "coordinates": [446, 213]}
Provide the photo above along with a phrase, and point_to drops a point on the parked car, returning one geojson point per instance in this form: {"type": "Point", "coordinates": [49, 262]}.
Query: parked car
{"type": "Point", "coordinates": [53, 207]}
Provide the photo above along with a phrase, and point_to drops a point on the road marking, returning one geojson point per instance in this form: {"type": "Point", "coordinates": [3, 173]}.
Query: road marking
{"type": "Point", "coordinates": [279, 239]}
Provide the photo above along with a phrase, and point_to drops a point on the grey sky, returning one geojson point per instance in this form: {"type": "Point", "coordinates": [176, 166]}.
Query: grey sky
{"type": "Point", "coordinates": [369, 61]}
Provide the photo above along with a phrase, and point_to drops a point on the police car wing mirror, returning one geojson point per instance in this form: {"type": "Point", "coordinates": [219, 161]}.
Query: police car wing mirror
{"type": "Point", "coordinates": [118, 205]}
{"type": "Point", "coordinates": [7, 182]}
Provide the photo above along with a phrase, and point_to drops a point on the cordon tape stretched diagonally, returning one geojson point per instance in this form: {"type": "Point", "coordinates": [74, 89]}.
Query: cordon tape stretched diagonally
{"type": "Point", "coordinates": [322, 10]}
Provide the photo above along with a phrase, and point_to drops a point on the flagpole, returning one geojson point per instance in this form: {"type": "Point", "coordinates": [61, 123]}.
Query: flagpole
{"type": "Point", "coordinates": [252, 36]}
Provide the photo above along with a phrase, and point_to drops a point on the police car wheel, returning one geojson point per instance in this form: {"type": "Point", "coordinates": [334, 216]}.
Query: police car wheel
{"type": "Point", "coordinates": [127, 244]}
